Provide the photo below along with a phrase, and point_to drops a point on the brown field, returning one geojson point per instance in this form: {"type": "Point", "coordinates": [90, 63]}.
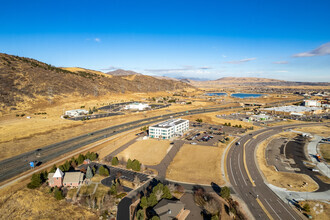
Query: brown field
{"type": "Point", "coordinates": [323, 131]}
{"type": "Point", "coordinates": [148, 152]}
{"type": "Point", "coordinates": [197, 164]}
{"type": "Point", "coordinates": [325, 151]}
{"type": "Point", "coordinates": [283, 179]}
{"type": "Point", "coordinates": [313, 204]}
{"type": "Point", "coordinates": [324, 179]}
{"type": "Point", "coordinates": [36, 204]}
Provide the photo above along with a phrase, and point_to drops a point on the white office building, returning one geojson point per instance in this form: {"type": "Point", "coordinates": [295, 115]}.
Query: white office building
{"type": "Point", "coordinates": [168, 129]}
{"type": "Point", "coordinates": [137, 106]}
{"type": "Point", "coordinates": [76, 112]}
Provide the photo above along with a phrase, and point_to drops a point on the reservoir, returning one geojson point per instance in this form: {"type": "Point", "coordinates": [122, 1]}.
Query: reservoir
{"type": "Point", "coordinates": [245, 95]}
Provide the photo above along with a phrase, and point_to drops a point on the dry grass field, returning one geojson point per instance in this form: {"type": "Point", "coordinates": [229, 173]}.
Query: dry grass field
{"type": "Point", "coordinates": [197, 164]}
{"type": "Point", "coordinates": [323, 131]}
{"type": "Point", "coordinates": [36, 204]}
{"type": "Point", "coordinates": [319, 210]}
{"type": "Point", "coordinates": [290, 181]}
{"type": "Point", "coordinates": [148, 152]}
{"type": "Point", "coordinates": [325, 151]}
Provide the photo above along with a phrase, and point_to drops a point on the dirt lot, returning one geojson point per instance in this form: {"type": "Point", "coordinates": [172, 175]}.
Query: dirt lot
{"type": "Point", "coordinates": [325, 151]}
{"type": "Point", "coordinates": [323, 131]}
{"type": "Point", "coordinates": [319, 210]}
{"type": "Point", "coordinates": [36, 204]}
{"type": "Point", "coordinates": [148, 152]}
{"type": "Point", "coordinates": [197, 164]}
{"type": "Point", "coordinates": [290, 181]}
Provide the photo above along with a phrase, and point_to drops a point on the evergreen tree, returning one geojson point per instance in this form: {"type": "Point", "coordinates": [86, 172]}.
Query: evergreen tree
{"type": "Point", "coordinates": [36, 181]}
{"type": "Point", "coordinates": [140, 214]}
{"type": "Point", "coordinates": [152, 200]}
{"type": "Point", "coordinates": [155, 217]}
{"type": "Point", "coordinates": [80, 159]}
{"type": "Point", "coordinates": [136, 166]}
{"type": "Point", "coordinates": [167, 193]}
{"type": "Point", "coordinates": [115, 161]}
{"type": "Point", "coordinates": [143, 202]}
{"type": "Point", "coordinates": [89, 173]}
{"type": "Point", "coordinates": [129, 164]}
{"type": "Point", "coordinates": [103, 171]}
{"type": "Point", "coordinates": [53, 169]}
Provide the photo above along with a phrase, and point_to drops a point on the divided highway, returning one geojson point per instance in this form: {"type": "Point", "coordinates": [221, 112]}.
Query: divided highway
{"type": "Point", "coordinates": [247, 181]}
{"type": "Point", "coordinates": [18, 164]}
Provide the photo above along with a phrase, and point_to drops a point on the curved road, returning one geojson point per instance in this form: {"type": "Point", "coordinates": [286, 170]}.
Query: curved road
{"type": "Point", "coordinates": [253, 190]}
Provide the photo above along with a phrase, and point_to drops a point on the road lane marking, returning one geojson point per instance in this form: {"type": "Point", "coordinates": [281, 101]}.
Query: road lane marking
{"type": "Point", "coordinates": [231, 169]}
{"type": "Point", "coordinates": [286, 209]}
{"type": "Point", "coordinates": [241, 170]}
{"type": "Point", "coordinates": [273, 209]}
{"type": "Point", "coordinates": [244, 161]}
{"type": "Point", "coordinates": [264, 209]}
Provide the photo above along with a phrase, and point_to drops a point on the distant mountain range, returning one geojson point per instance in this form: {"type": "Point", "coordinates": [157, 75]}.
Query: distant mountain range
{"type": "Point", "coordinates": [25, 79]}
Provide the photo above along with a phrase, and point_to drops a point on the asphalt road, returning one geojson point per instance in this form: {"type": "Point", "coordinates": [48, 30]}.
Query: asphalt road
{"type": "Point", "coordinates": [241, 182]}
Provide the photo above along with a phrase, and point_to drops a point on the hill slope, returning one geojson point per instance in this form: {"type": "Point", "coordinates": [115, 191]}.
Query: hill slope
{"type": "Point", "coordinates": [24, 79]}
{"type": "Point", "coordinates": [121, 72]}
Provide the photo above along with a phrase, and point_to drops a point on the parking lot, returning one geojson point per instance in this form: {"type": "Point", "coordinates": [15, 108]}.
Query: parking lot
{"type": "Point", "coordinates": [210, 135]}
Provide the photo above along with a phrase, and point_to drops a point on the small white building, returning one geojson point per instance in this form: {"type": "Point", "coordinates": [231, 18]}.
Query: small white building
{"type": "Point", "coordinates": [168, 129]}
{"type": "Point", "coordinates": [76, 112]}
{"type": "Point", "coordinates": [312, 103]}
{"type": "Point", "coordinates": [261, 117]}
{"type": "Point", "coordinates": [137, 106]}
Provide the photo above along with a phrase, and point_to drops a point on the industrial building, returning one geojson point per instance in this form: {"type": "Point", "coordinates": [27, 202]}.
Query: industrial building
{"type": "Point", "coordinates": [137, 106]}
{"type": "Point", "coordinates": [294, 110]}
{"type": "Point", "coordinates": [76, 112]}
{"type": "Point", "coordinates": [168, 129]}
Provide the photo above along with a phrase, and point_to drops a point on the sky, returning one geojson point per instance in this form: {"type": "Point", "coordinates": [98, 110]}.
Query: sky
{"type": "Point", "coordinates": [288, 40]}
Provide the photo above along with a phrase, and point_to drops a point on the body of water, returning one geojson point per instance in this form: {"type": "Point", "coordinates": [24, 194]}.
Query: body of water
{"type": "Point", "coordinates": [246, 95]}
{"type": "Point", "coordinates": [216, 94]}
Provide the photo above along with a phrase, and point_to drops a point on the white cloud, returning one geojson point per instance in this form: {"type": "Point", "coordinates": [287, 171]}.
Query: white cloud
{"type": "Point", "coordinates": [281, 62]}
{"type": "Point", "coordinates": [97, 40]}
{"type": "Point", "coordinates": [281, 71]}
{"type": "Point", "coordinates": [322, 50]}
{"type": "Point", "coordinates": [224, 56]}
{"type": "Point", "coordinates": [241, 61]}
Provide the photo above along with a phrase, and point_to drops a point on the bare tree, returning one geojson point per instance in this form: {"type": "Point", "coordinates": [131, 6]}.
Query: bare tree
{"type": "Point", "coordinates": [159, 194]}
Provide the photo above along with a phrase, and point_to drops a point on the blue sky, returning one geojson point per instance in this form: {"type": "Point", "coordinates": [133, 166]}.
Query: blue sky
{"type": "Point", "coordinates": [287, 40]}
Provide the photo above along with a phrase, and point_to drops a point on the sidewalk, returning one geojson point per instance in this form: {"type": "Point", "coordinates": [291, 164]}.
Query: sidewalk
{"type": "Point", "coordinates": [312, 151]}
{"type": "Point", "coordinates": [286, 194]}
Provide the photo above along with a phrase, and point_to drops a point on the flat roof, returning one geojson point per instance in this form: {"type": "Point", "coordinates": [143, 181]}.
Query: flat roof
{"type": "Point", "coordinates": [293, 108]}
{"type": "Point", "coordinates": [169, 123]}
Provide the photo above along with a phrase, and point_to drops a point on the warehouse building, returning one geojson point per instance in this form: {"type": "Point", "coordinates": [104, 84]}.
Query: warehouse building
{"type": "Point", "coordinates": [312, 103]}
{"type": "Point", "coordinates": [294, 110]}
{"type": "Point", "coordinates": [169, 129]}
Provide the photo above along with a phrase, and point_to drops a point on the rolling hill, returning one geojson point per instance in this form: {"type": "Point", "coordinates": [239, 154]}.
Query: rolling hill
{"type": "Point", "coordinates": [23, 79]}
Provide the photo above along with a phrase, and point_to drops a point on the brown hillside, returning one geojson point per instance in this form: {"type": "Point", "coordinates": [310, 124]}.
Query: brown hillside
{"type": "Point", "coordinates": [236, 80]}
{"type": "Point", "coordinates": [23, 79]}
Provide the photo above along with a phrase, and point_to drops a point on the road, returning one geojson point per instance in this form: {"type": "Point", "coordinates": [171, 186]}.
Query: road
{"type": "Point", "coordinates": [262, 201]}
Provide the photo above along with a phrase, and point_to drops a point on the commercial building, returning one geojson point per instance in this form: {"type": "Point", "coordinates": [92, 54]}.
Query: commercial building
{"type": "Point", "coordinates": [294, 110]}
{"type": "Point", "coordinates": [168, 129]}
{"type": "Point", "coordinates": [67, 179]}
{"type": "Point", "coordinates": [76, 112]}
{"type": "Point", "coordinates": [137, 106]}
{"type": "Point", "coordinates": [312, 103]}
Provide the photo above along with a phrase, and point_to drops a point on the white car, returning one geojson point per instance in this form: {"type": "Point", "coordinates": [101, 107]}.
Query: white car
{"type": "Point", "coordinates": [193, 143]}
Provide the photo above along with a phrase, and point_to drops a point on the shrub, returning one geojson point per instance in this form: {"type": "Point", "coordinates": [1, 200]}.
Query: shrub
{"type": "Point", "coordinates": [103, 171]}
{"type": "Point", "coordinates": [307, 208]}
{"type": "Point", "coordinates": [129, 164]}
{"type": "Point", "coordinates": [58, 194]}
{"type": "Point", "coordinates": [225, 192]}
{"type": "Point", "coordinates": [136, 165]}
{"type": "Point", "coordinates": [140, 214]}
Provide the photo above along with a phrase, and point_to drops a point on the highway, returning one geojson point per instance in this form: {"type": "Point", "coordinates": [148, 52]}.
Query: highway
{"type": "Point", "coordinates": [18, 164]}
{"type": "Point", "coordinates": [249, 185]}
